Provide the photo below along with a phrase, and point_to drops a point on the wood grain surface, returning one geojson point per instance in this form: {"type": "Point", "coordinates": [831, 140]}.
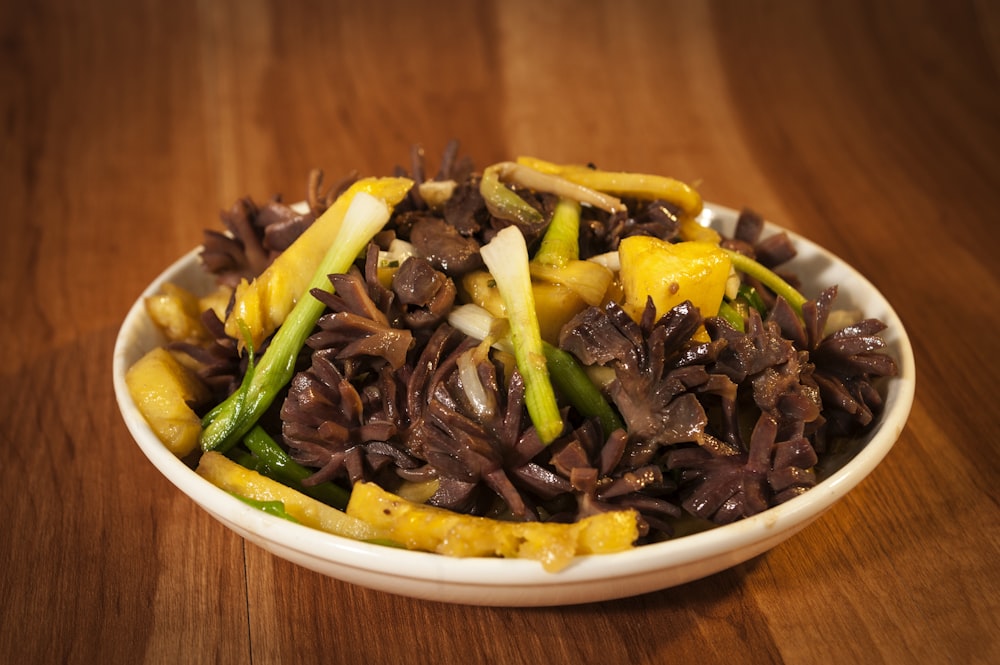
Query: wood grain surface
{"type": "Point", "coordinates": [873, 128]}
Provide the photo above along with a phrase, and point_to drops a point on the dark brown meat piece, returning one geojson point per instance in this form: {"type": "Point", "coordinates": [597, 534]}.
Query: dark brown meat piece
{"type": "Point", "coordinates": [748, 239]}
{"type": "Point", "coordinates": [466, 210]}
{"type": "Point", "coordinates": [446, 249]}
{"type": "Point", "coordinates": [425, 294]}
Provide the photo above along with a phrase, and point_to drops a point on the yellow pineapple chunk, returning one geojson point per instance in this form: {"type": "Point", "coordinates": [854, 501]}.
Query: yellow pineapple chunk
{"type": "Point", "coordinates": [162, 389]}
{"type": "Point", "coordinates": [555, 305]}
{"type": "Point", "coordinates": [431, 529]}
{"type": "Point", "coordinates": [230, 476]}
{"type": "Point", "coordinates": [217, 300]}
{"type": "Point", "coordinates": [176, 311]}
{"type": "Point", "coordinates": [480, 288]}
{"type": "Point", "coordinates": [671, 273]}
{"type": "Point", "coordinates": [589, 280]}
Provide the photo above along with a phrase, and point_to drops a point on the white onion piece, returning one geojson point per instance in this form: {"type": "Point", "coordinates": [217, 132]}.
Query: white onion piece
{"type": "Point", "coordinates": [483, 402]}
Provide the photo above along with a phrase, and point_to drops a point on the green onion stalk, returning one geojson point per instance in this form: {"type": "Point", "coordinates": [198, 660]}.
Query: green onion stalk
{"type": "Point", "coordinates": [768, 278]}
{"type": "Point", "coordinates": [561, 242]}
{"type": "Point", "coordinates": [568, 376]}
{"type": "Point", "coordinates": [506, 257]}
{"type": "Point", "coordinates": [276, 508]}
{"type": "Point", "coordinates": [271, 460]}
{"type": "Point", "coordinates": [228, 422]}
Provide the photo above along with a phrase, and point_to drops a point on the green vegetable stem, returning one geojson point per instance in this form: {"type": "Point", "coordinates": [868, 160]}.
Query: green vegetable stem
{"type": "Point", "coordinates": [506, 257]}
{"type": "Point", "coordinates": [276, 508]}
{"type": "Point", "coordinates": [561, 242]}
{"type": "Point", "coordinates": [504, 203]}
{"type": "Point", "coordinates": [560, 249]}
{"type": "Point", "coordinates": [227, 423]}
{"type": "Point", "coordinates": [272, 461]}
{"type": "Point", "coordinates": [567, 375]}
{"type": "Point", "coordinates": [732, 315]}
{"type": "Point", "coordinates": [572, 382]}
{"type": "Point", "coordinates": [768, 278]}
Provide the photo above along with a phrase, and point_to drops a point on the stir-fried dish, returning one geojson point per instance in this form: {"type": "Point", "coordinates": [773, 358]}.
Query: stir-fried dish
{"type": "Point", "coordinates": [533, 359]}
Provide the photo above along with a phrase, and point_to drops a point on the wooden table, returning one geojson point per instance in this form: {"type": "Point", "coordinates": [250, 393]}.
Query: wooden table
{"type": "Point", "coordinates": [873, 128]}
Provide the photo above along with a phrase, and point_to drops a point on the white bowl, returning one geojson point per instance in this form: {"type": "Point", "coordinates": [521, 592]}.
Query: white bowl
{"type": "Point", "coordinates": [510, 582]}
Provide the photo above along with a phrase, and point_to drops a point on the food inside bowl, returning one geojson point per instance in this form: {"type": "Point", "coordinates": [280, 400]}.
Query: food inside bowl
{"type": "Point", "coordinates": [533, 360]}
